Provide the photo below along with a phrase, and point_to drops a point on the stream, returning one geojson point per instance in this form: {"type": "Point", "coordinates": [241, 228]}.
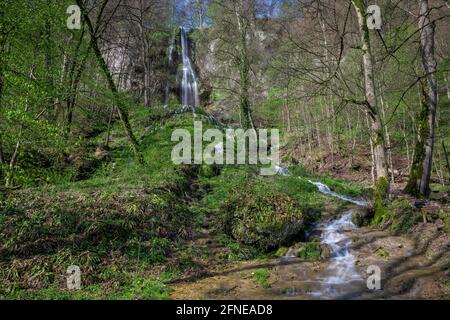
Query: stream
{"type": "Point", "coordinates": [340, 276]}
{"type": "Point", "coordinates": [341, 273]}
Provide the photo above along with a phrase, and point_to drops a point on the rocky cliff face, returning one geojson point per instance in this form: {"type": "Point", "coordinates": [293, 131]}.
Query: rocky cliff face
{"type": "Point", "coordinates": [217, 71]}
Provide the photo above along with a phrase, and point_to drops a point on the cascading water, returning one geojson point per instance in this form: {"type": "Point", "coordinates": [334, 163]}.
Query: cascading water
{"type": "Point", "coordinates": [189, 85]}
{"type": "Point", "coordinates": [341, 272]}
{"type": "Point", "coordinates": [326, 190]}
{"type": "Point", "coordinates": [340, 275]}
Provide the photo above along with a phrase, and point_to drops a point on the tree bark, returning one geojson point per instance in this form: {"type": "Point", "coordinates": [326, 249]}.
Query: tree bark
{"type": "Point", "coordinates": [376, 124]}
{"type": "Point", "coordinates": [429, 65]}
{"type": "Point", "coordinates": [244, 69]}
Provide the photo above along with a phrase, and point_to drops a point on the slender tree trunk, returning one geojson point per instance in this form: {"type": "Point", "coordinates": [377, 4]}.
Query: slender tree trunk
{"type": "Point", "coordinates": [446, 157]}
{"type": "Point", "coordinates": [145, 60]}
{"type": "Point", "coordinates": [388, 141]}
{"type": "Point", "coordinates": [286, 106]}
{"type": "Point", "coordinates": [123, 114]}
{"type": "Point", "coordinates": [73, 91]}
{"type": "Point", "coordinates": [74, 76]}
{"type": "Point", "coordinates": [429, 65]}
{"type": "Point", "coordinates": [447, 79]}
{"type": "Point", "coordinates": [244, 70]}
{"type": "Point", "coordinates": [416, 172]}
{"type": "Point", "coordinates": [2, 50]}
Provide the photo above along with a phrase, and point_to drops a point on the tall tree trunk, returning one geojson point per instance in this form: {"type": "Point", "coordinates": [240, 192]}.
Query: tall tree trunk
{"type": "Point", "coordinates": [145, 60]}
{"type": "Point", "coordinates": [429, 65]}
{"type": "Point", "coordinates": [446, 157]}
{"type": "Point", "coordinates": [377, 131]}
{"type": "Point", "coordinates": [286, 107]}
{"type": "Point", "coordinates": [118, 101]}
{"type": "Point", "coordinates": [244, 70]}
{"type": "Point", "coordinates": [74, 76]}
{"type": "Point", "coordinates": [2, 50]}
{"type": "Point", "coordinates": [416, 172]}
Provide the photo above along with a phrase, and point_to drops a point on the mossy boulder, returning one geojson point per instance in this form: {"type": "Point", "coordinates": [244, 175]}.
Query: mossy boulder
{"type": "Point", "coordinates": [281, 252]}
{"type": "Point", "coordinates": [362, 216]}
{"type": "Point", "coordinates": [380, 201]}
{"type": "Point", "coordinates": [261, 218]}
{"type": "Point", "coordinates": [209, 171]}
{"type": "Point", "coordinates": [403, 216]}
{"type": "Point", "coordinates": [310, 251]}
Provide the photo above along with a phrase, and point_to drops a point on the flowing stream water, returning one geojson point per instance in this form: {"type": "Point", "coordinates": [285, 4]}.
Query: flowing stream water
{"type": "Point", "coordinates": [340, 275]}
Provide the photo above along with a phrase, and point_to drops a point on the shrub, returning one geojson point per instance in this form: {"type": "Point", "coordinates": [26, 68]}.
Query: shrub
{"type": "Point", "coordinates": [256, 216]}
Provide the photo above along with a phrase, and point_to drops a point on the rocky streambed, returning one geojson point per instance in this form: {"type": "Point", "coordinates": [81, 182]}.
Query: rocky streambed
{"type": "Point", "coordinates": [410, 268]}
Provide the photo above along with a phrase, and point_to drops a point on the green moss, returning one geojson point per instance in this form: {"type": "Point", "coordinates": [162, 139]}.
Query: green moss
{"type": "Point", "coordinates": [281, 252]}
{"type": "Point", "coordinates": [444, 216]}
{"type": "Point", "coordinates": [381, 252]}
{"type": "Point", "coordinates": [380, 205]}
{"type": "Point", "coordinates": [400, 216]}
{"type": "Point", "coordinates": [413, 186]}
{"type": "Point", "coordinates": [262, 277]}
{"type": "Point", "coordinates": [310, 251]}
{"type": "Point", "coordinates": [125, 287]}
{"type": "Point", "coordinates": [257, 216]}
{"type": "Point", "coordinates": [404, 216]}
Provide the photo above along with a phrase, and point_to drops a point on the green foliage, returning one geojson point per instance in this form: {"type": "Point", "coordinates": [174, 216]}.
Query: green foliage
{"type": "Point", "coordinates": [445, 217]}
{"type": "Point", "coordinates": [379, 203]}
{"type": "Point", "coordinates": [255, 215]}
{"type": "Point", "coordinates": [404, 216]}
{"type": "Point", "coordinates": [236, 251]}
{"type": "Point", "coordinates": [86, 229]}
{"type": "Point", "coordinates": [151, 252]}
{"type": "Point", "coordinates": [125, 287]}
{"type": "Point", "coordinates": [381, 252]}
{"type": "Point", "coordinates": [262, 277]}
{"type": "Point", "coordinates": [310, 251]}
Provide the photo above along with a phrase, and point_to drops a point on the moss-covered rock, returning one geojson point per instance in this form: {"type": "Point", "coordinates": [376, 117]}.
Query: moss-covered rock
{"type": "Point", "coordinates": [261, 218]}
{"type": "Point", "coordinates": [403, 216]}
{"type": "Point", "coordinates": [281, 252]}
{"type": "Point", "coordinates": [310, 251]}
{"type": "Point", "coordinates": [380, 200]}
{"type": "Point", "coordinates": [362, 216]}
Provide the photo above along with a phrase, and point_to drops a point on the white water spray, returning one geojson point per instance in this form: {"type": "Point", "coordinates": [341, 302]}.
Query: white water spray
{"type": "Point", "coordinates": [341, 272]}
{"type": "Point", "coordinates": [189, 85]}
{"type": "Point", "coordinates": [326, 190]}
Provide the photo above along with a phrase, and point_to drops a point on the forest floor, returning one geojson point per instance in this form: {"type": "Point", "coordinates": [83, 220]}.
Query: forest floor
{"type": "Point", "coordinates": [153, 232]}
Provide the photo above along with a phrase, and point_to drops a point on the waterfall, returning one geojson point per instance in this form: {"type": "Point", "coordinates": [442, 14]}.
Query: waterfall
{"type": "Point", "coordinates": [189, 84]}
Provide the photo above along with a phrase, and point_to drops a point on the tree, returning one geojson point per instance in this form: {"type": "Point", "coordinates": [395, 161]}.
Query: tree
{"type": "Point", "coordinates": [420, 176]}
{"type": "Point", "coordinates": [123, 114]}
{"type": "Point", "coordinates": [377, 131]}
{"type": "Point", "coordinates": [233, 19]}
